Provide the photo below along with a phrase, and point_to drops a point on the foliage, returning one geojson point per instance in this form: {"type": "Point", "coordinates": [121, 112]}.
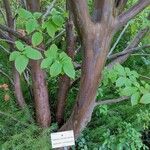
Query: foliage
{"type": "Point", "coordinates": [56, 62]}
{"type": "Point", "coordinates": [117, 129]}
{"type": "Point", "coordinates": [125, 82]}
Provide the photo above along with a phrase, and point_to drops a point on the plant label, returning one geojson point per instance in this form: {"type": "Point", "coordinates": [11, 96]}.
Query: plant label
{"type": "Point", "coordinates": [62, 139]}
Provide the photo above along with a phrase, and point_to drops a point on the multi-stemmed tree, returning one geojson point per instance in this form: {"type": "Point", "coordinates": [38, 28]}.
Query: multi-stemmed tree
{"type": "Point", "coordinates": [95, 32]}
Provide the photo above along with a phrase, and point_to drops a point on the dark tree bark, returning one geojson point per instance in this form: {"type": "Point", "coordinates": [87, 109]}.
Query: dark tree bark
{"type": "Point", "coordinates": [64, 81]}
{"type": "Point", "coordinates": [40, 91]}
{"type": "Point", "coordinates": [96, 39]}
{"type": "Point", "coordinates": [16, 77]}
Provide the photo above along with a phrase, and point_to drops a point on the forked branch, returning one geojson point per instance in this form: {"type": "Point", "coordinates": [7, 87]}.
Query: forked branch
{"type": "Point", "coordinates": [81, 15]}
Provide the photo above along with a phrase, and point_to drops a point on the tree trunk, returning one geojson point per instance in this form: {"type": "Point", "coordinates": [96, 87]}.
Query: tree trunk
{"type": "Point", "coordinates": [96, 47]}
{"type": "Point", "coordinates": [18, 90]}
{"type": "Point", "coordinates": [16, 77]}
{"type": "Point", "coordinates": [64, 81]}
{"type": "Point", "coordinates": [40, 91]}
{"type": "Point", "coordinates": [96, 36]}
{"type": "Point", "coordinates": [41, 98]}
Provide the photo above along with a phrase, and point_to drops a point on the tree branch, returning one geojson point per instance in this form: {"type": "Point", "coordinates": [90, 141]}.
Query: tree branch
{"type": "Point", "coordinates": [97, 12]}
{"type": "Point", "coordinates": [145, 77]}
{"type": "Point", "coordinates": [9, 41]}
{"type": "Point", "coordinates": [134, 43]}
{"type": "Point", "coordinates": [49, 8]}
{"type": "Point", "coordinates": [16, 77]}
{"type": "Point", "coordinates": [4, 36]}
{"type": "Point", "coordinates": [118, 39]}
{"type": "Point", "coordinates": [3, 16]}
{"type": "Point", "coordinates": [81, 15]}
{"type": "Point", "coordinates": [132, 12]}
{"type": "Point", "coordinates": [15, 33]}
{"type": "Point", "coordinates": [111, 101]}
{"type": "Point", "coordinates": [7, 51]}
{"type": "Point", "coordinates": [129, 51]}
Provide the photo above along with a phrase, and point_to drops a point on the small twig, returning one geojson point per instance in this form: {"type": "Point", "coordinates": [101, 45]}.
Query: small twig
{"type": "Point", "coordinates": [140, 54]}
{"type": "Point", "coordinates": [7, 51]}
{"type": "Point", "coordinates": [56, 37]}
{"type": "Point", "coordinates": [8, 41]}
{"type": "Point", "coordinates": [3, 16]}
{"type": "Point", "coordinates": [6, 75]}
{"type": "Point", "coordinates": [118, 39]}
{"type": "Point", "coordinates": [78, 49]}
{"type": "Point", "coordinates": [148, 78]}
{"type": "Point", "coordinates": [4, 35]}
{"type": "Point", "coordinates": [49, 9]}
{"type": "Point", "coordinates": [130, 50]}
{"type": "Point", "coordinates": [12, 42]}
{"type": "Point", "coordinates": [111, 101]}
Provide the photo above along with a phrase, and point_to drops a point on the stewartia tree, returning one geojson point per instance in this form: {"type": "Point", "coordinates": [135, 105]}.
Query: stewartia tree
{"type": "Point", "coordinates": [33, 52]}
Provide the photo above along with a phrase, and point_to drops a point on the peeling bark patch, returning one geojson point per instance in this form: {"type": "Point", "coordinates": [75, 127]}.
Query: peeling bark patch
{"type": "Point", "coordinates": [96, 46]}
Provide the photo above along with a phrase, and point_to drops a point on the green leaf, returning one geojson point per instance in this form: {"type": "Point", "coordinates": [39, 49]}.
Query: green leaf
{"type": "Point", "coordinates": [143, 90]}
{"type": "Point", "coordinates": [24, 14]}
{"type": "Point", "coordinates": [127, 70]}
{"type": "Point", "coordinates": [128, 91]}
{"type": "Point", "coordinates": [63, 55]}
{"type": "Point", "coordinates": [32, 53]}
{"type": "Point", "coordinates": [46, 63]}
{"type": "Point", "coordinates": [37, 38]}
{"type": "Point", "coordinates": [31, 25]}
{"type": "Point", "coordinates": [112, 75]}
{"type": "Point", "coordinates": [19, 45]}
{"type": "Point", "coordinates": [120, 70]}
{"type": "Point", "coordinates": [44, 25]}
{"type": "Point", "coordinates": [120, 81]}
{"type": "Point", "coordinates": [21, 63]}
{"type": "Point", "coordinates": [135, 98]}
{"type": "Point", "coordinates": [14, 55]}
{"type": "Point", "coordinates": [135, 74]}
{"type": "Point", "coordinates": [58, 20]}
{"type": "Point", "coordinates": [55, 69]}
{"type": "Point", "coordinates": [37, 15]}
{"type": "Point", "coordinates": [69, 69]}
{"type": "Point", "coordinates": [120, 146]}
{"type": "Point", "coordinates": [52, 52]}
{"type": "Point", "coordinates": [54, 12]}
{"type": "Point", "coordinates": [145, 99]}
{"type": "Point", "coordinates": [51, 29]}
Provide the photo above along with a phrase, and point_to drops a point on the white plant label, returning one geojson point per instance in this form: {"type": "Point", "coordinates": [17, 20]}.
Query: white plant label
{"type": "Point", "coordinates": [62, 139]}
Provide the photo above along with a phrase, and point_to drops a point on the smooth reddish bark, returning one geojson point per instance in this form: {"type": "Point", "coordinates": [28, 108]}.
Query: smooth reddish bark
{"type": "Point", "coordinates": [64, 81]}
{"type": "Point", "coordinates": [40, 91]}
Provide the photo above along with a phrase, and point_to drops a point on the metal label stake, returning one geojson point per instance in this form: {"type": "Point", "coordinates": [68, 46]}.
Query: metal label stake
{"type": "Point", "coordinates": [65, 148]}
